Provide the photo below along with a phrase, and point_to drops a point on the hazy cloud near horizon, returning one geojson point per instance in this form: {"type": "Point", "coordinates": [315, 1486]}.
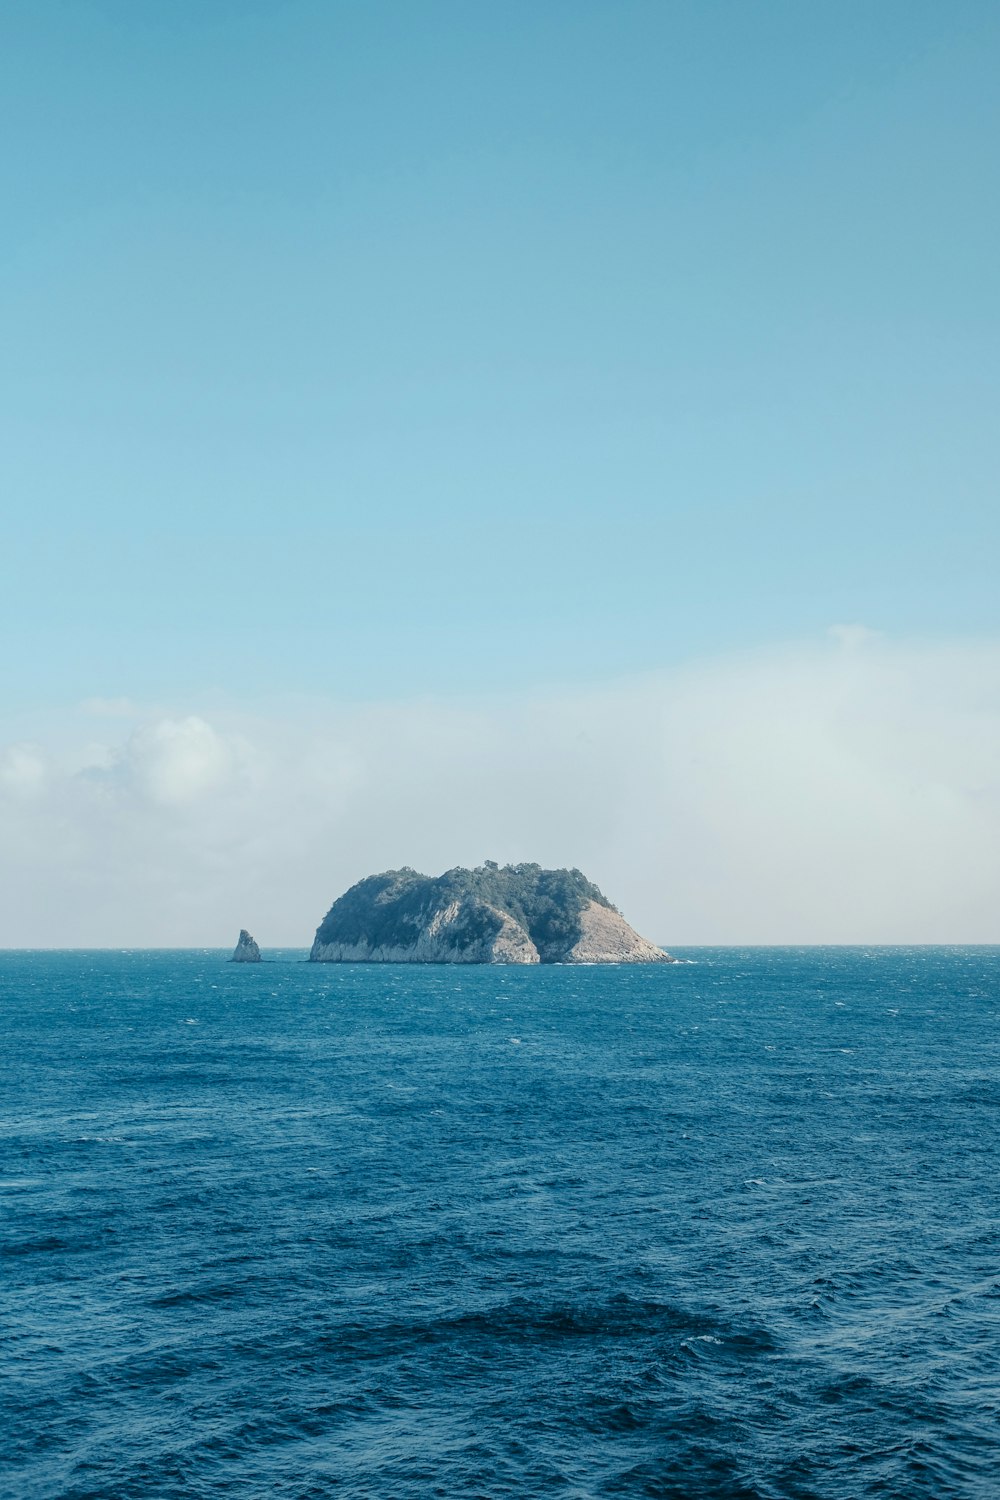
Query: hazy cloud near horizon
{"type": "Point", "coordinates": [846, 790]}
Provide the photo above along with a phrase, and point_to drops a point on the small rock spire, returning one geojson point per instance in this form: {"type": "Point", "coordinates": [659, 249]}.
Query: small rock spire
{"type": "Point", "coordinates": [247, 951]}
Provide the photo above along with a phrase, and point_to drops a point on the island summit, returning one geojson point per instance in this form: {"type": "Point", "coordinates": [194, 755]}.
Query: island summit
{"type": "Point", "coordinates": [517, 914]}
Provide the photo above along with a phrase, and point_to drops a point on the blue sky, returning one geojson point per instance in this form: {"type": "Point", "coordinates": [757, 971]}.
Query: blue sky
{"type": "Point", "coordinates": [392, 349]}
{"type": "Point", "coordinates": [554, 430]}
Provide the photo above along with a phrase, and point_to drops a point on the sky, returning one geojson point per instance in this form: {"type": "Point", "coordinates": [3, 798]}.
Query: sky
{"type": "Point", "coordinates": [559, 431]}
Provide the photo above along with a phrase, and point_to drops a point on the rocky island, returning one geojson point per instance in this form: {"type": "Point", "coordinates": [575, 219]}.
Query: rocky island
{"type": "Point", "coordinates": [247, 951]}
{"type": "Point", "coordinates": [517, 914]}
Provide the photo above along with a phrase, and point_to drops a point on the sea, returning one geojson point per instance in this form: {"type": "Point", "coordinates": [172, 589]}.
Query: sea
{"type": "Point", "coordinates": [726, 1228]}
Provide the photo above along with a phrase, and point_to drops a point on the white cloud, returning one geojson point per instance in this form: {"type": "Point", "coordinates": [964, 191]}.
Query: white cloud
{"type": "Point", "coordinates": [846, 790]}
{"type": "Point", "coordinates": [22, 771]}
{"type": "Point", "coordinates": [178, 761]}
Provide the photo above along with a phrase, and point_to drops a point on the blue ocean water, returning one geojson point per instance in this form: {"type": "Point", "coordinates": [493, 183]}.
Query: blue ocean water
{"type": "Point", "coordinates": [728, 1228]}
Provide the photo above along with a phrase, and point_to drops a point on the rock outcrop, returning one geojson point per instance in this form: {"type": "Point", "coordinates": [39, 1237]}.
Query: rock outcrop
{"type": "Point", "coordinates": [606, 938]}
{"type": "Point", "coordinates": [247, 951]}
{"type": "Point", "coordinates": [520, 914]}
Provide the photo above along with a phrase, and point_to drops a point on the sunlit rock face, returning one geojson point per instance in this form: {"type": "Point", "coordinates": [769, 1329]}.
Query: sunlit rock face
{"type": "Point", "coordinates": [247, 951]}
{"type": "Point", "coordinates": [606, 938]}
{"type": "Point", "coordinates": [518, 914]}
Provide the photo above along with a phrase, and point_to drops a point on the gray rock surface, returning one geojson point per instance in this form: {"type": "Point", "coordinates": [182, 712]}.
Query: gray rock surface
{"type": "Point", "coordinates": [606, 938]}
{"type": "Point", "coordinates": [247, 951]}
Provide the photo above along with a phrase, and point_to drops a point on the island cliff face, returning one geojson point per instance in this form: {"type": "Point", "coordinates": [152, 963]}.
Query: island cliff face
{"type": "Point", "coordinates": [520, 914]}
{"type": "Point", "coordinates": [247, 951]}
